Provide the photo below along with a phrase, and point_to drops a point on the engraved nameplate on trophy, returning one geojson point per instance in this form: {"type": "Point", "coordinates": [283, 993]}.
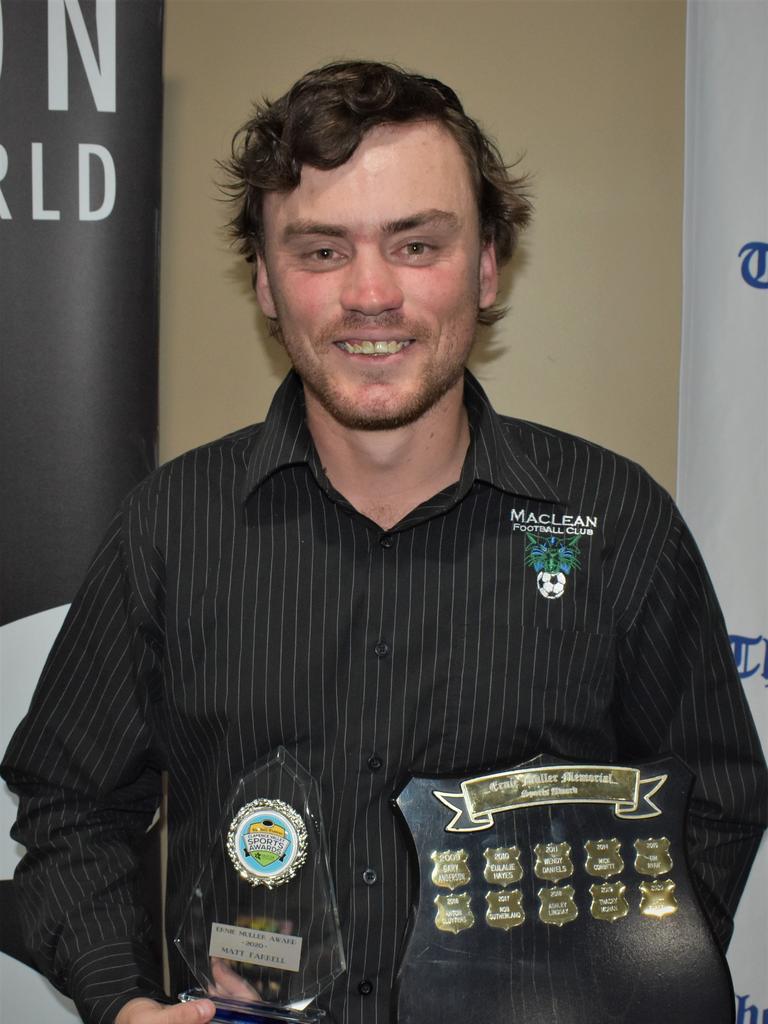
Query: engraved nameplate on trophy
{"type": "Point", "coordinates": [504, 909]}
{"type": "Point", "coordinates": [502, 866]}
{"type": "Point", "coordinates": [557, 905]}
{"type": "Point", "coordinates": [604, 858]}
{"type": "Point", "coordinates": [609, 902]}
{"type": "Point", "coordinates": [553, 861]}
{"type": "Point", "coordinates": [454, 913]}
{"type": "Point", "coordinates": [652, 856]}
{"type": "Point", "coordinates": [450, 869]}
{"type": "Point", "coordinates": [658, 898]}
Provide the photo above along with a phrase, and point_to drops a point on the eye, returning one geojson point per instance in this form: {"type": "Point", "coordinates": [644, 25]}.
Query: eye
{"type": "Point", "coordinates": [324, 257]}
{"type": "Point", "coordinates": [417, 249]}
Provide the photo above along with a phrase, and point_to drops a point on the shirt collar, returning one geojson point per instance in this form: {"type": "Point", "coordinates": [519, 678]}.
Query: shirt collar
{"type": "Point", "coordinates": [495, 456]}
{"type": "Point", "coordinates": [284, 439]}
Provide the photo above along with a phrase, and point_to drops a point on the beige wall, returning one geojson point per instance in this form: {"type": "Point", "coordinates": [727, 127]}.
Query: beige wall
{"type": "Point", "coordinates": [591, 93]}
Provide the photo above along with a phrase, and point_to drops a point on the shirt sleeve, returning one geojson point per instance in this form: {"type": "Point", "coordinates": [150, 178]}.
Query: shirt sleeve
{"type": "Point", "coordinates": [86, 767]}
{"type": "Point", "coordinates": [679, 692]}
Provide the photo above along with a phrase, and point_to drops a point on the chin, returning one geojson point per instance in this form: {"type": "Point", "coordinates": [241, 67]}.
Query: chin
{"type": "Point", "coordinates": [386, 415]}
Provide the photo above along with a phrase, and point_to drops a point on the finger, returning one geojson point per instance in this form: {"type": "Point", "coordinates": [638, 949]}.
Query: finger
{"type": "Point", "coordinates": [229, 983]}
{"type": "Point", "coordinates": [195, 1012]}
{"type": "Point", "coordinates": [147, 1011]}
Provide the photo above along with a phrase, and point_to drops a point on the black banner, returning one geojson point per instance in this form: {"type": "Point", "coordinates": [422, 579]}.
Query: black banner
{"type": "Point", "coordinates": [80, 150]}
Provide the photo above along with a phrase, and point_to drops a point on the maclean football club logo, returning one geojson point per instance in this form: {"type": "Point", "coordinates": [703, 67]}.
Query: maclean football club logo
{"type": "Point", "coordinates": [553, 559]}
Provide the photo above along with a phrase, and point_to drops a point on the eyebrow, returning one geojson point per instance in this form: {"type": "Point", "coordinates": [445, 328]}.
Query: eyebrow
{"type": "Point", "coordinates": [425, 218]}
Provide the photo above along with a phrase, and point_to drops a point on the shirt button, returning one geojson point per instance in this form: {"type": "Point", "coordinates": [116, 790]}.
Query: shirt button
{"type": "Point", "coordinates": [375, 762]}
{"type": "Point", "coordinates": [386, 540]}
{"type": "Point", "coordinates": [365, 987]}
{"type": "Point", "coordinates": [369, 876]}
{"type": "Point", "coordinates": [381, 649]}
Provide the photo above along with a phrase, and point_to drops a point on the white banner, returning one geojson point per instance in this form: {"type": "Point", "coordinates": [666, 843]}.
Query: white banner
{"type": "Point", "coordinates": [723, 452]}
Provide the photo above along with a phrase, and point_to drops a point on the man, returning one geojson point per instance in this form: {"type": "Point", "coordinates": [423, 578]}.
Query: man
{"type": "Point", "coordinates": [345, 579]}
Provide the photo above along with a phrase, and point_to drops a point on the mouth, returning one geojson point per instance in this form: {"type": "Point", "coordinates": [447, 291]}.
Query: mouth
{"type": "Point", "coordinates": [366, 347]}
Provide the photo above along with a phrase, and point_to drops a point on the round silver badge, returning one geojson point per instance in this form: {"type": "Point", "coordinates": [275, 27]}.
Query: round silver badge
{"type": "Point", "coordinates": [267, 842]}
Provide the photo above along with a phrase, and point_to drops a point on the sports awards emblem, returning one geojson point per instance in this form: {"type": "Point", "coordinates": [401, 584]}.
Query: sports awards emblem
{"type": "Point", "coordinates": [267, 842]}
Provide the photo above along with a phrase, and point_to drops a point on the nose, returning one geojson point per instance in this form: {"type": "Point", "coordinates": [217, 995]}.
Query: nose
{"type": "Point", "coordinates": [371, 285]}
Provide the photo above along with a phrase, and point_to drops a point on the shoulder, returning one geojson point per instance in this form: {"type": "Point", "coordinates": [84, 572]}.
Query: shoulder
{"type": "Point", "coordinates": [203, 484]}
{"type": "Point", "coordinates": [225, 457]}
{"type": "Point", "coordinates": [580, 468]}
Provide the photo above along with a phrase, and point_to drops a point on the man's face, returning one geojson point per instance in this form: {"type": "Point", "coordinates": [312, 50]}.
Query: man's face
{"type": "Point", "coordinates": [375, 272]}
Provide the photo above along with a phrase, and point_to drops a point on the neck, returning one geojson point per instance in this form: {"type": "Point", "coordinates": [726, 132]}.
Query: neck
{"type": "Point", "coordinates": [385, 474]}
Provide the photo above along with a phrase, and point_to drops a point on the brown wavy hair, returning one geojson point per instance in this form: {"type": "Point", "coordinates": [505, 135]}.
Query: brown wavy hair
{"type": "Point", "coordinates": [321, 121]}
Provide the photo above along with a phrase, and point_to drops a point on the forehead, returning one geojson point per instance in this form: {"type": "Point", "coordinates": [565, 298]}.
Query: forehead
{"type": "Point", "coordinates": [396, 171]}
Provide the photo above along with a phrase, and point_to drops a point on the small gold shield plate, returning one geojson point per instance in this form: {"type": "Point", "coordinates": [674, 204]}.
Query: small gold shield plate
{"type": "Point", "coordinates": [454, 914]}
{"type": "Point", "coordinates": [608, 901]}
{"type": "Point", "coordinates": [505, 909]}
{"type": "Point", "coordinates": [603, 857]}
{"type": "Point", "coordinates": [652, 856]}
{"type": "Point", "coordinates": [451, 870]}
{"type": "Point", "coordinates": [502, 865]}
{"type": "Point", "coordinates": [658, 898]}
{"type": "Point", "coordinates": [553, 861]}
{"type": "Point", "coordinates": [557, 905]}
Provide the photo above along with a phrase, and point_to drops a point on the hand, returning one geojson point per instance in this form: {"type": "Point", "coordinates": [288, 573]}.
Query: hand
{"type": "Point", "coordinates": [147, 1011]}
{"type": "Point", "coordinates": [228, 983]}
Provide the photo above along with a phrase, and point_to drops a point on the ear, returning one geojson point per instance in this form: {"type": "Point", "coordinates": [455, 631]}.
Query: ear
{"type": "Point", "coordinates": [264, 290]}
{"type": "Point", "coordinates": [489, 276]}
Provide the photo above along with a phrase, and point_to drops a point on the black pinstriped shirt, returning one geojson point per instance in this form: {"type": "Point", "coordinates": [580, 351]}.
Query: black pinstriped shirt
{"type": "Point", "coordinates": [238, 603]}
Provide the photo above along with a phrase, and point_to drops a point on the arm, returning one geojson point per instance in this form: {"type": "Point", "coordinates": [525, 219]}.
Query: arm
{"type": "Point", "coordinates": [679, 692]}
{"type": "Point", "coordinates": [86, 765]}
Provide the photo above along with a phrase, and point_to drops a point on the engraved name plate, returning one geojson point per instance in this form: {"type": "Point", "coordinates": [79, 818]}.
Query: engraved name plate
{"type": "Point", "coordinates": [553, 861]}
{"type": "Point", "coordinates": [652, 856]}
{"type": "Point", "coordinates": [603, 857]}
{"type": "Point", "coordinates": [451, 870]}
{"type": "Point", "coordinates": [502, 865]}
{"type": "Point", "coordinates": [454, 913]}
{"type": "Point", "coordinates": [608, 901]}
{"type": "Point", "coordinates": [505, 909]}
{"type": "Point", "coordinates": [557, 905]}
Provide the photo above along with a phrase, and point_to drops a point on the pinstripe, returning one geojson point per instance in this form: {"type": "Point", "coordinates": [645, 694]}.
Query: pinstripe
{"type": "Point", "coordinates": [236, 604]}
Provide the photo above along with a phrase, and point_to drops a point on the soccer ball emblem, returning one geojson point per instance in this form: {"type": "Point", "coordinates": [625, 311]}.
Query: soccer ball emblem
{"type": "Point", "coordinates": [551, 584]}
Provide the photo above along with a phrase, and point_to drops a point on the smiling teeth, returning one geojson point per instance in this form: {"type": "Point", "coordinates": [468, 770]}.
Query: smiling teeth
{"type": "Point", "coordinates": [373, 348]}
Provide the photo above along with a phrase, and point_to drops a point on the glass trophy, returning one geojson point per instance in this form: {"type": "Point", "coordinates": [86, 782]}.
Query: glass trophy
{"type": "Point", "coordinates": [260, 932]}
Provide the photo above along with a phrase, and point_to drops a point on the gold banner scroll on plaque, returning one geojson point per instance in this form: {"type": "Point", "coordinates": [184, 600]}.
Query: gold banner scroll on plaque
{"type": "Point", "coordinates": [483, 797]}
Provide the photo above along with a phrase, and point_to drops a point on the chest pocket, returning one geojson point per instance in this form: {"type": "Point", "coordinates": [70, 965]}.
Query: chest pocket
{"type": "Point", "coordinates": [528, 692]}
